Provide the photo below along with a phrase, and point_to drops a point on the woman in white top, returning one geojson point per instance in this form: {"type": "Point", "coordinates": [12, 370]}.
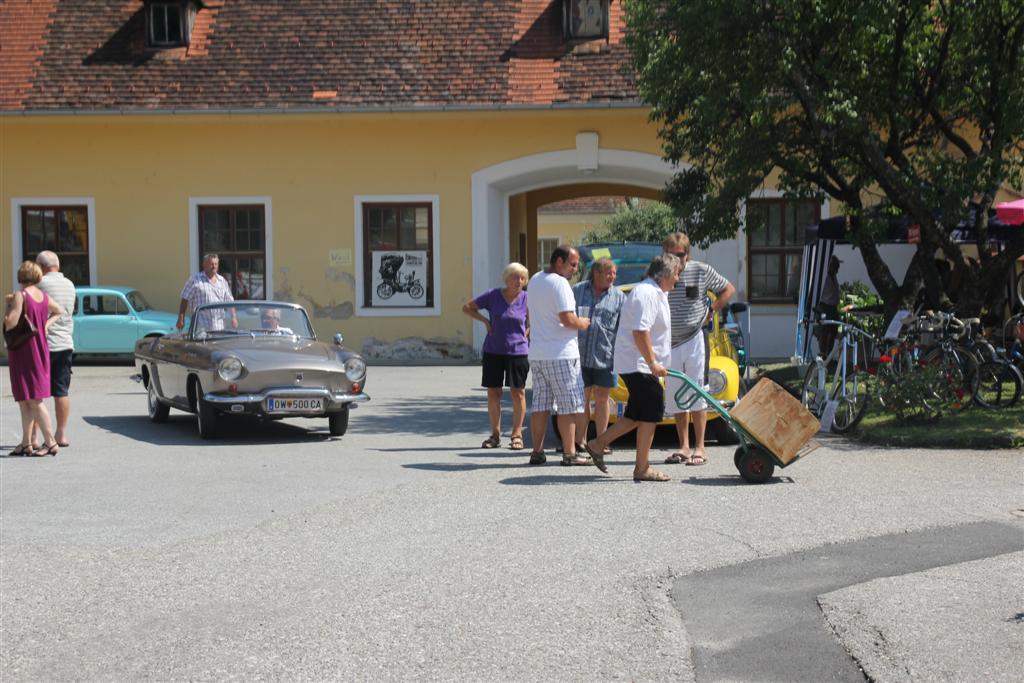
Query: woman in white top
{"type": "Point", "coordinates": [643, 347]}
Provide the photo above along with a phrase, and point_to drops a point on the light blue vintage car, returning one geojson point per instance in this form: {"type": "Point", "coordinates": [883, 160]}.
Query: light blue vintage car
{"type": "Point", "coordinates": [109, 320]}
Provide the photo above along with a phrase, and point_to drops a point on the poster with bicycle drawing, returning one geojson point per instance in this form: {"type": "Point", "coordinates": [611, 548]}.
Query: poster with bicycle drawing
{"type": "Point", "coordinates": [398, 278]}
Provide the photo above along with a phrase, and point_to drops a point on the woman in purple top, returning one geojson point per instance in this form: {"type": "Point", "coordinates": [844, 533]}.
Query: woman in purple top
{"type": "Point", "coordinates": [505, 349]}
{"type": "Point", "coordinates": [29, 364]}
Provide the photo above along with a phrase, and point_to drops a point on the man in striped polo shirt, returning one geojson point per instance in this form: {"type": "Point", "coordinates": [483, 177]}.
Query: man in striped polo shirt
{"type": "Point", "coordinates": [691, 309]}
{"type": "Point", "coordinates": [60, 340]}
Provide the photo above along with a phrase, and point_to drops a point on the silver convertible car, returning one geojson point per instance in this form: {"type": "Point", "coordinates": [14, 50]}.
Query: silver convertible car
{"type": "Point", "coordinates": [257, 358]}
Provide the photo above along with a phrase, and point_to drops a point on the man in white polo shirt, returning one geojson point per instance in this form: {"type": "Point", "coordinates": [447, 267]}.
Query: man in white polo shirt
{"type": "Point", "coordinates": [59, 337]}
{"type": "Point", "coordinates": [555, 355]}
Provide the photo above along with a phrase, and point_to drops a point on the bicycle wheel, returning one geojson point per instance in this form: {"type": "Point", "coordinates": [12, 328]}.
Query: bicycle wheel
{"type": "Point", "coordinates": [997, 385]}
{"type": "Point", "coordinates": [1020, 289]}
{"type": "Point", "coordinates": [815, 391]}
{"type": "Point", "coordinates": [852, 395]}
{"type": "Point", "coordinates": [952, 374]}
{"type": "Point", "coordinates": [901, 389]}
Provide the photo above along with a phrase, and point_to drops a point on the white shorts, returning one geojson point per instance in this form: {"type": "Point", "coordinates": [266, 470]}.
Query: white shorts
{"type": "Point", "coordinates": [688, 358]}
{"type": "Point", "coordinates": [557, 384]}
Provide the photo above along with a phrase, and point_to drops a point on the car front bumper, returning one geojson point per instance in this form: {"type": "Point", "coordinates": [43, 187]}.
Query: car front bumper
{"type": "Point", "coordinates": [255, 403]}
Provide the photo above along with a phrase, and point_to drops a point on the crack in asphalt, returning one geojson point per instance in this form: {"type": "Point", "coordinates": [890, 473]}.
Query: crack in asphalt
{"type": "Point", "coordinates": [761, 621]}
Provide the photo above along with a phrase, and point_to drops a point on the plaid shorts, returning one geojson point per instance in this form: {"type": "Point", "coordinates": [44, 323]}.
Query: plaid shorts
{"type": "Point", "coordinates": [557, 385]}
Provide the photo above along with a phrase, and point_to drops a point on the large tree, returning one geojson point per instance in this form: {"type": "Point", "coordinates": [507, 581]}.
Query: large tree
{"type": "Point", "coordinates": [915, 105]}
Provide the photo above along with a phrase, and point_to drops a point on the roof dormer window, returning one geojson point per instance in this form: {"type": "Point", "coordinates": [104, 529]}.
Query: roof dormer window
{"type": "Point", "coordinates": [169, 22]}
{"type": "Point", "coordinates": [585, 19]}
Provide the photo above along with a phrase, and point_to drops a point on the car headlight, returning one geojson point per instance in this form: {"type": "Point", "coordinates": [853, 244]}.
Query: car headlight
{"type": "Point", "coordinates": [716, 381]}
{"type": "Point", "coordinates": [355, 369]}
{"type": "Point", "coordinates": [229, 369]}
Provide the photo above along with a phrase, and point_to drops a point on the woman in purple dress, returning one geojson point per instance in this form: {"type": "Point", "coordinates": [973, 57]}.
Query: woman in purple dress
{"type": "Point", "coordinates": [505, 349]}
{"type": "Point", "coordinates": [29, 364]}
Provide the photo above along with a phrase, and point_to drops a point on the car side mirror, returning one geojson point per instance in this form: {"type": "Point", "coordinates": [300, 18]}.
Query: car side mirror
{"type": "Point", "coordinates": [738, 307]}
{"type": "Point", "coordinates": [338, 339]}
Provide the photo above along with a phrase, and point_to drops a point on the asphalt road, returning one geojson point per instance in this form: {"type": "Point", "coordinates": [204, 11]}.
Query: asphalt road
{"type": "Point", "coordinates": [404, 551]}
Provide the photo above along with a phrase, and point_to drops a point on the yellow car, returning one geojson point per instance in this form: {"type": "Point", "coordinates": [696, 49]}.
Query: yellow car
{"type": "Point", "coordinates": [724, 383]}
{"type": "Point", "coordinates": [726, 343]}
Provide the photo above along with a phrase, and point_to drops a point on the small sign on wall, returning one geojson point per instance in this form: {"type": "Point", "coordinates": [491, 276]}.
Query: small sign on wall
{"type": "Point", "coordinates": [340, 258]}
{"type": "Point", "coordinates": [397, 279]}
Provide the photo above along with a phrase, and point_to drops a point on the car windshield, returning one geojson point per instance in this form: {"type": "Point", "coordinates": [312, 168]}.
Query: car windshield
{"type": "Point", "coordinates": [138, 301]}
{"type": "Point", "coordinates": [249, 318]}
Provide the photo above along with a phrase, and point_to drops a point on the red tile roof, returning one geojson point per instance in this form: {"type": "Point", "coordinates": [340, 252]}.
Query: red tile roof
{"type": "Point", "coordinates": [584, 205]}
{"type": "Point", "coordinates": [90, 55]}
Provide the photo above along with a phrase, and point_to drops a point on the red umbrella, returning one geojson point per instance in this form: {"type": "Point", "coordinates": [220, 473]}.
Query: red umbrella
{"type": "Point", "coordinates": [1011, 213]}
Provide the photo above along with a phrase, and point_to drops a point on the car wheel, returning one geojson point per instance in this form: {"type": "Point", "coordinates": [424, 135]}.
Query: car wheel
{"type": "Point", "coordinates": [158, 411]}
{"type": "Point", "coordinates": [756, 466]}
{"type": "Point", "coordinates": [416, 291]}
{"type": "Point", "coordinates": [338, 422]}
{"type": "Point", "coordinates": [207, 417]}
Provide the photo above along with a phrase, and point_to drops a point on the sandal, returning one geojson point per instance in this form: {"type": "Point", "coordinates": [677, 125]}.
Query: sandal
{"type": "Point", "coordinates": [576, 460]}
{"type": "Point", "coordinates": [45, 450]}
{"type": "Point", "coordinates": [677, 458]}
{"type": "Point", "coordinates": [537, 458]}
{"type": "Point", "coordinates": [493, 441]}
{"type": "Point", "coordinates": [652, 475]}
{"type": "Point", "coordinates": [597, 458]}
{"type": "Point", "coordinates": [24, 450]}
{"type": "Point", "coordinates": [516, 443]}
{"type": "Point", "coordinates": [697, 459]}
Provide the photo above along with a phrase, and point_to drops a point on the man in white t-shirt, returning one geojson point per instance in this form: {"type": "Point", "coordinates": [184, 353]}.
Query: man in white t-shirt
{"type": "Point", "coordinates": [643, 347]}
{"type": "Point", "coordinates": [555, 355]}
{"type": "Point", "coordinates": [60, 340]}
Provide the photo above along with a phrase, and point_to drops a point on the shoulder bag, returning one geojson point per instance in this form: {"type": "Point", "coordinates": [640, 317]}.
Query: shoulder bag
{"type": "Point", "coordinates": [24, 330]}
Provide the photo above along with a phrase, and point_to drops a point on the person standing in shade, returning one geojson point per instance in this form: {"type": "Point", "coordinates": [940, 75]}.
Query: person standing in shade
{"type": "Point", "coordinates": [505, 349]}
{"type": "Point", "coordinates": [555, 356]}
{"type": "Point", "coordinates": [598, 299]}
{"type": "Point", "coordinates": [60, 339]}
{"type": "Point", "coordinates": [828, 306]}
{"type": "Point", "coordinates": [206, 287]}
{"type": "Point", "coordinates": [643, 346]}
{"type": "Point", "coordinates": [691, 311]}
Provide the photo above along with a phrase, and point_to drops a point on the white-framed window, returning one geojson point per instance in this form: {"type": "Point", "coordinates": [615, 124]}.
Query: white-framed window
{"type": "Point", "coordinates": [545, 247]}
{"type": "Point", "coordinates": [398, 255]}
{"type": "Point", "coordinates": [169, 23]}
{"type": "Point", "coordinates": [64, 225]}
{"type": "Point", "coordinates": [240, 231]}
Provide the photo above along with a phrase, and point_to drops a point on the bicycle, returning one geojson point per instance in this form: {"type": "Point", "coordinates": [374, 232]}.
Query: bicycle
{"type": "Point", "coordinates": [847, 387]}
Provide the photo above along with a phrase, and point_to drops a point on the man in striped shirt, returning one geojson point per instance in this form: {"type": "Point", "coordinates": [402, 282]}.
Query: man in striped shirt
{"type": "Point", "coordinates": [691, 309]}
{"type": "Point", "coordinates": [206, 287]}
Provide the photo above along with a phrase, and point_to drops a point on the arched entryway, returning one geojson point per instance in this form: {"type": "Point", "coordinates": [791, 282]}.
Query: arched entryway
{"type": "Point", "coordinates": [545, 177]}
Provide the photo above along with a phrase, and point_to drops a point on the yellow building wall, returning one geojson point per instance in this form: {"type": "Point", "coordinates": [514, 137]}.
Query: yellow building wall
{"type": "Point", "coordinates": [142, 170]}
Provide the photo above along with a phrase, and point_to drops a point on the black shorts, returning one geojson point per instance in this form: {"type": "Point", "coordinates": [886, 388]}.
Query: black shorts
{"type": "Point", "coordinates": [646, 397]}
{"type": "Point", "coordinates": [501, 370]}
{"type": "Point", "coordinates": [60, 372]}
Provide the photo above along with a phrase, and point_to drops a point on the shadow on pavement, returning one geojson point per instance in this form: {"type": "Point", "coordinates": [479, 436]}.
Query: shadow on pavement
{"type": "Point", "coordinates": [731, 480]}
{"type": "Point", "coordinates": [426, 415]}
{"type": "Point", "coordinates": [180, 430]}
{"type": "Point", "coordinates": [462, 466]}
{"type": "Point", "coordinates": [572, 480]}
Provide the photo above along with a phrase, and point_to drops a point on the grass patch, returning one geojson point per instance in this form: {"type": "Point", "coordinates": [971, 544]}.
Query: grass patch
{"type": "Point", "coordinates": [974, 427]}
{"type": "Point", "coordinates": [971, 428]}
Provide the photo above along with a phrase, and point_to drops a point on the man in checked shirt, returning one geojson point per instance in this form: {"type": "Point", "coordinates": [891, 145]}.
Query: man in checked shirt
{"type": "Point", "coordinates": [206, 287]}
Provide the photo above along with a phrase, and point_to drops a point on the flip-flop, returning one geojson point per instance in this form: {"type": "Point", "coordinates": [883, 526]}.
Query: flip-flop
{"type": "Point", "coordinates": [677, 458]}
{"type": "Point", "coordinates": [652, 475]}
{"type": "Point", "coordinates": [694, 460]}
